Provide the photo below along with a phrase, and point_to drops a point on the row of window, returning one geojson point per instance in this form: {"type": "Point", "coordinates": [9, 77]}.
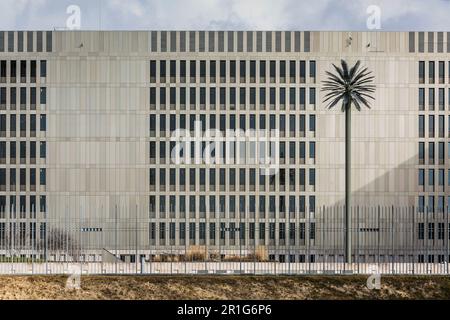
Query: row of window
{"type": "Point", "coordinates": [431, 99]}
{"type": "Point", "coordinates": [223, 122]}
{"type": "Point", "coordinates": [19, 235]}
{"type": "Point", "coordinates": [433, 200]}
{"type": "Point", "coordinates": [432, 152]}
{"type": "Point", "coordinates": [434, 122]}
{"type": "Point", "coordinates": [27, 97]}
{"type": "Point", "coordinates": [22, 206]}
{"type": "Point", "coordinates": [286, 231]}
{"type": "Point", "coordinates": [231, 71]}
{"type": "Point", "coordinates": [430, 257]}
{"type": "Point", "coordinates": [11, 153]}
{"type": "Point", "coordinates": [22, 70]}
{"type": "Point", "coordinates": [433, 43]}
{"type": "Point", "coordinates": [237, 153]}
{"type": "Point", "coordinates": [431, 231]}
{"type": "Point", "coordinates": [434, 177]}
{"type": "Point", "coordinates": [431, 79]}
{"type": "Point", "coordinates": [231, 230]}
{"type": "Point", "coordinates": [25, 175]}
{"type": "Point", "coordinates": [231, 97]}
{"type": "Point", "coordinates": [230, 41]}
{"type": "Point", "coordinates": [231, 204]}
{"type": "Point", "coordinates": [26, 41]}
{"type": "Point", "coordinates": [228, 177]}
{"type": "Point", "coordinates": [24, 122]}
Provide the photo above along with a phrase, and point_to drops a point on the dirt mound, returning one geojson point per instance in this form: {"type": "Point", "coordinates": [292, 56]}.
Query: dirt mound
{"type": "Point", "coordinates": [224, 287]}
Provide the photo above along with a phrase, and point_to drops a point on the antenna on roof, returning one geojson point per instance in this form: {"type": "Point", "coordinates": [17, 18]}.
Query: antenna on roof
{"type": "Point", "coordinates": [348, 41]}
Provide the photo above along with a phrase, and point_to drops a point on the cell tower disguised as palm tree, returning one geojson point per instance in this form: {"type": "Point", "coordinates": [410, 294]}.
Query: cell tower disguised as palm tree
{"type": "Point", "coordinates": [349, 86]}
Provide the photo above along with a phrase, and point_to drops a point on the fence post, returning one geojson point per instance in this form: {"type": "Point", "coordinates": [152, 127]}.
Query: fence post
{"type": "Point", "coordinates": [46, 245]}
{"type": "Point", "coordinates": [136, 232]}
{"type": "Point", "coordinates": [426, 231]}
{"type": "Point", "coordinates": [392, 239]}
{"type": "Point", "coordinates": [446, 227]}
{"type": "Point", "coordinates": [413, 239]}
{"type": "Point", "coordinates": [142, 259]}
{"type": "Point", "coordinates": [357, 238]}
{"type": "Point", "coordinates": [115, 238]}
{"type": "Point", "coordinates": [81, 241]}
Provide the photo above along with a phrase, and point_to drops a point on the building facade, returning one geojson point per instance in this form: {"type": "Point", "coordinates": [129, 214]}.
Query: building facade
{"type": "Point", "coordinates": [87, 125]}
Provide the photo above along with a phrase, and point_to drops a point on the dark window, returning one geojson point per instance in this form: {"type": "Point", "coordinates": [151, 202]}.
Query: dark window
{"type": "Point", "coordinates": [43, 68]}
{"type": "Point", "coordinates": [43, 97]}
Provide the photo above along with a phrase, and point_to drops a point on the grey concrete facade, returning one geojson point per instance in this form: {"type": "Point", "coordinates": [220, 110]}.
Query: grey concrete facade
{"type": "Point", "coordinates": [103, 88]}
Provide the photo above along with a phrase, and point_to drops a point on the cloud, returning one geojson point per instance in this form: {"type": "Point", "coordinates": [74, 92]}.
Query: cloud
{"type": "Point", "coordinates": [227, 14]}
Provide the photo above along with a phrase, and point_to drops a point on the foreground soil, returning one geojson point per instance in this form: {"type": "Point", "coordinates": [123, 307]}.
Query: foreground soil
{"type": "Point", "coordinates": [224, 287]}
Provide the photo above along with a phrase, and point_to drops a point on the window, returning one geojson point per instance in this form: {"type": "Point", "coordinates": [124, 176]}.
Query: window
{"type": "Point", "coordinates": [192, 70]}
{"type": "Point", "coordinates": [22, 123]}
{"type": "Point", "coordinates": [431, 72]}
{"type": "Point", "coordinates": [23, 71]}
{"type": "Point", "coordinates": [212, 70]}
{"type": "Point", "coordinates": [242, 70]}
{"type": "Point", "coordinates": [272, 70]}
{"type": "Point", "coordinates": [441, 71]}
{"type": "Point", "coordinates": [183, 70]}
{"type": "Point", "coordinates": [441, 152]}
{"type": "Point", "coordinates": [202, 70]}
{"type": "Point", "coordinates": [23, 98]}
{"type": "Point", "coordinates": [431, 152]}
{"type": "Point", "coordinates": [431, 177]}
{"type": "Point", "coordinates": [421, 99]}
{"type": "Point", "coordinates": [421, 126]}
{"type": "Point", "coordinates": [421, 231]}
{"type": "Point", "coordinates": [20, 41]}
{"type": "Point", "coordinates": [431, 98]}
{"type": "Point", "coordinates": [13, 71]}
{"type": "Point", "coordinates": [43, 68]}
{"type": "Point", "coordinates": [441, 177]}
{"type": "Point", "coordinates": [430, 231]}
{"type": "Point", "coordinates": [10, 41]}
{"type": "Point", "coordinates": [312, 95]}
{"type": "Point", "coordinates": [43, 125]}
{"type": "Point", "coordinates": [29, 41]}
{"type": "Point", "coordinates": [421, 177]}
{"type": "Point", "coordinates": [312, 177]}
{"type": "Point", "coordinates": [312, 150]}
{"type": "Point", "coordinates": [421, 71]}
{"type": "Point", "coordinates": [42, 178]}
{"type": "Point", "coordinates": [421, 203]}
{"type": "Point", "coordinates": [162, 71]}
{"type": "Point", "coordinates": [312, 123]}
{"type": "Point", "coordinates": [312, 69]}
{"type": "Point", "coordinates": [152, 71]}
{"type": "Point", "coordinates": [302, 71]}
{"type": "Point", "coordinates": [252, 70]}
{"type": "Point", "coordinates": [441, 99]}
{"type": "Point", "coordinates": [312, 231]}
{"type": "Point", "coordinates": [39, 41]}
{"type": "Point", "coordinates": [262, 71]}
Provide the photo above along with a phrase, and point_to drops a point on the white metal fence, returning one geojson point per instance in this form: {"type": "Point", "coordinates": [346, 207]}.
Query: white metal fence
{"type": "Point", "coordinates": [385, 240]}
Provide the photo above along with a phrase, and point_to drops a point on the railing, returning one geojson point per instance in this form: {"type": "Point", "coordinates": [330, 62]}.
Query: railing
{"type": "Point", "coordinates": [385, 240]}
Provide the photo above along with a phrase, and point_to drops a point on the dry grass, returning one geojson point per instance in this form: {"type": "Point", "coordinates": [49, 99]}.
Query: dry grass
{"type": "Point", "coordinates": [224, 287]}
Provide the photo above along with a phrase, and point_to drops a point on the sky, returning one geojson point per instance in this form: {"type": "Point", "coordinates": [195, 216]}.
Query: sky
{"type": "Point", "coordinates": [398, 15]}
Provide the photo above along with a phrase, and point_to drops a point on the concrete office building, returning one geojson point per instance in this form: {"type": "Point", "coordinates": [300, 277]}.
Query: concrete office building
{"type": "Point", "coordinates": [86, 120]}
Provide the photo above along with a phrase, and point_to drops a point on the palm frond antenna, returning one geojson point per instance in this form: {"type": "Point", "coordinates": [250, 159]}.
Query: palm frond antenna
{"type": "Point", "coordinates": [351, 86]}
